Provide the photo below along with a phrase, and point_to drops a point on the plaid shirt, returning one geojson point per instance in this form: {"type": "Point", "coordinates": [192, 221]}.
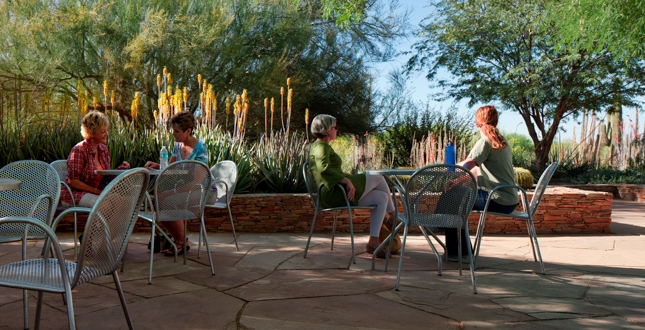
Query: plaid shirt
{"type": "Point", "coordinates": [81, 166]}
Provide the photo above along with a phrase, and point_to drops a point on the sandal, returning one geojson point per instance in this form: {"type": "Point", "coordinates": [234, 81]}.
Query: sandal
{"type": "Point", "coordinates": [171, 253]}
{"type": "Point", "coordinates": [369, 249]}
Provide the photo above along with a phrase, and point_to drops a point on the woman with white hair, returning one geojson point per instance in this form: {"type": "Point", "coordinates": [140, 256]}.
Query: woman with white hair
{"type": "Point", "coordinates": [361, 189]}
{"type": "Point", "coordinates": [87, 156]}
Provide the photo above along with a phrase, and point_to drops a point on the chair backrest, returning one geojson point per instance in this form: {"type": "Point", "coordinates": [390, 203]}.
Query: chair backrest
{"type": "Point", "coordinates": [440, 196]}
{"type": "Point", "coordinates": [110, 224]}
{"type": "Point", "coordinates": [310, 182]}
{"type": "Point", "coordinates": [541, 187]}
{"type": "Point", "coordinates": [226, 171]}
{"type": "Point", "coordinates": [37, 178]}
{"type": "Point", "coordinates": [61, 168]}
{"type": "Point", "coordinates": [181, 189]}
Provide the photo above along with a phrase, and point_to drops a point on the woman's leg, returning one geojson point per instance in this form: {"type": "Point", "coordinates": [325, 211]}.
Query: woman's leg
{"type": "Point", "coordinates": [88, 200]}
{"type": "Point", "coordinates": [377, 183]}
{"type": "Point", "coordinates": [380, 199]}
{"type": "Point", "coordinates": [176, 229]}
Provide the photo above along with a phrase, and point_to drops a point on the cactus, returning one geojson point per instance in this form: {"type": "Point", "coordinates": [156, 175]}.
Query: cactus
{"type": "Point", "coordinates": [523, 177]}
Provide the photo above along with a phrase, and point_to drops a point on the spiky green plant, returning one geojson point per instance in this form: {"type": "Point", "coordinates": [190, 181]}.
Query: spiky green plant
{"type": "Point", "coordinates": [279, 160]}
{"type": "Point", "coordinates": [223, 146]}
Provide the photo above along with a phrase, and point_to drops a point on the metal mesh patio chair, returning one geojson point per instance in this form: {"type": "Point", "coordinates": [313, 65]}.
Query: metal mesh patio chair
{"type": "Point", "coordinates": [314, 193]}
{"type": "Point", "coordinates": [39, 181]}
{"type": "Point", "coordinates": [109, 225]}
{"type": "Point", "coordinates": [436, 196]}
{"type": "Point", "coordinates": [36, 198]}
{"type": "Point", "coordinates": [179, 194]}
{"type": "Point", "coordinates": [527, 213]}
{"type": "Point", "coordinates": [219, 196]}
{"type": "Point", "coordinates": [61, 169]}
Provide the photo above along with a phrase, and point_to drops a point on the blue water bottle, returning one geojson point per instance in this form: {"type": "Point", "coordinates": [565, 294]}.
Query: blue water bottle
{"type": "Point", "coordinates": [449, 156]}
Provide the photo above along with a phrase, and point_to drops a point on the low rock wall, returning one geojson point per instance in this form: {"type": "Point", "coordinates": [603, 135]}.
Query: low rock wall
{"type": "Point", "coordinates": [563, 210]}
{"type": "Point", "coordinates": [623, 191]}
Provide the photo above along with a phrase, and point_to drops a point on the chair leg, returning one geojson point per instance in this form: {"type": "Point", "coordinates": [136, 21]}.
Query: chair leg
{"type": "Point", "coordinates": [459, 252]}
{"type": "Point", "coordinates": [436, 253]}
{"type": "Point", "coordinates": [311, 231]}
{"type": "Point", "coordinates": [537, 246]}
{"type": "Point", "coordinates": [478, 236]}
{"type": "Point", "coordinates": [185, 240]}
{"type": "Point", "coordinates": [230, 216]}
{"type": "Point", "coordinates": [125, 253]}
{"type": "Point", "coordinates": [472, 264]}
{"type": "Point", "coordinates": [351, 234]}
{"type": "Point", "coordinates": [199, 242]}
{"type": "Point", "coordinates": [528, 230]}
{"type": "Point", "coordinates": [389, 252]}
{"type": "Point", "coordinates": [208, 249]}
{"type": "Point", "coordinates": [152, 251]}
{"type": "Point", "coordinates": [26, 308]}
{"type": "Point", "coordinates": [398, 276]}
{"type": "Point", "coordinates": [333, 230]}
{"type": "Point", "coordinates": [75, 239]}
{"type": "Point", "coordinates": [117, 283]}
{"type": "Point", "coordinates": [39, 307]}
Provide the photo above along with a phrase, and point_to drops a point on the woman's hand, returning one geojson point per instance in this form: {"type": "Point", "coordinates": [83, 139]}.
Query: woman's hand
{"type": "Point", "coordinates": [151, 165]}
{"type": "Point", "coordinates": [124, 166]}
{"type": "Point", "coordinates": [351, 191]}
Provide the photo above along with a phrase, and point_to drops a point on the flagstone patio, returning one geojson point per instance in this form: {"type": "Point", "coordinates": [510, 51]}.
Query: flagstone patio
{"type": "Point", "coordinates": [592, 282]}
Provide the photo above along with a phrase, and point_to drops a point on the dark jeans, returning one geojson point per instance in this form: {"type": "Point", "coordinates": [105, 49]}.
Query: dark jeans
{"type": "Point", "coordinates": [452, 241]}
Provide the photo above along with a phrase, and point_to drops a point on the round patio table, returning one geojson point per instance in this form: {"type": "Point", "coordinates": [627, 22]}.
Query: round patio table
{"type": "Point", "coordinates": [9, 184]}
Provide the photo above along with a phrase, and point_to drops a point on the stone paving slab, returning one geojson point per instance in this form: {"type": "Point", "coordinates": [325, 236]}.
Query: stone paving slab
{"type": "Point", "coordinates": [361, 311]}
{"type": "Point", "coordinates": [628, 305]}
{"type": "Point", "coordinates": [289, 284]}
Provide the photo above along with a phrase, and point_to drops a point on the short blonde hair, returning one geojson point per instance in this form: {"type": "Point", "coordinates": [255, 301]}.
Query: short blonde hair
{"type": "Point", "coordinates": [93, 121]}
{"type": "Point", "coordinates": [321, 124]}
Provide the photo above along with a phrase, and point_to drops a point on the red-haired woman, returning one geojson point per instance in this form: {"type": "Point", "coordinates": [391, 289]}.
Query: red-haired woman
{"type": "Point", "coordinates": [491, 162]}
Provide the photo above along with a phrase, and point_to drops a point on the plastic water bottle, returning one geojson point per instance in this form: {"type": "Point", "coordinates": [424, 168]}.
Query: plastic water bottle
{"type": "Point", "coordinates": [163, 158]}
{"type": "Point", "coordinates": [449, 156]}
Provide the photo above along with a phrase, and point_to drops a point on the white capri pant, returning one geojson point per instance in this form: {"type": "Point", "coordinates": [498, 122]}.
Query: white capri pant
{"type": "Point", "coordinates": [88, 200]}
{"type": "Point", "coordinates": [376, 193]}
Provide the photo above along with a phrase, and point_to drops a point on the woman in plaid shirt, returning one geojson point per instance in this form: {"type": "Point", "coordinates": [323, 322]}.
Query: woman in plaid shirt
{"type": "Point", "coordinates": [87, 156]}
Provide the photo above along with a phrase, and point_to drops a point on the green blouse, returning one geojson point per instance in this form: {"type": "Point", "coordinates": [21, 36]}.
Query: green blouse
{"type": "Point", "coordinates": [325, 166]}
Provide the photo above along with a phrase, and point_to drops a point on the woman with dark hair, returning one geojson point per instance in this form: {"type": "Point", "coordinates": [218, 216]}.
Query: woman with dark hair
{"type": "Point", "coordinates": [361, 189]}
{"type": "Point", "coordinates": [490, 161]}
{"type": "Point", "coordinates": [187, 147]}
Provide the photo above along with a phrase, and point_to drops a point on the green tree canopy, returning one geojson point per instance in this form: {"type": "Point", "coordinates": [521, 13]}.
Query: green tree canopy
{"type": "Point", "coordinates": [618, 26]}
{"type": "Point", "coordinates": [504, 52]}
{"type": "Point", "coordinates": [68, 47]}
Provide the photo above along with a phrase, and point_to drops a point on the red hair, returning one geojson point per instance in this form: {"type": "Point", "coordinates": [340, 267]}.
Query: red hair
{"type": "Point", "coordinates": [486, 120]}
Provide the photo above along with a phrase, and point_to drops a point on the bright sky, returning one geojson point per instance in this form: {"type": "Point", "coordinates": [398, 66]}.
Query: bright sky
{"type": "Point", "coordinates": [509, 121]}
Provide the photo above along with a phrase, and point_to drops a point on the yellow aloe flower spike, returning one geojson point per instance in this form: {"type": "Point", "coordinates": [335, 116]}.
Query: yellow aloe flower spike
{"type": "Point", "coordinates": [307, 116]}
{"type": "Point", "coordinates": [205, 84]}
{"type": "Point", "coordinates": [105, 88]}
{"type": "Point", "coordinates": [281, 90]}
{"type": "Point", "coordinates": [288, 82]}
{"type": "Point", "coordinates": [158, 80]}
{"type": "Point", "coordinates": [289, 98]}
{"type": "Point", "coordinates": [94, 102]}
{"type": "Point", "coordinates": [272, 104]}
{"type": "Point", "coordinates": [169, 80]}
{"type": "Point", "coordinates": [266, 102]}
{"type": "Point", "coordinates": [112, 98]}
{"type": "Point", "coordinates": [199, 78]}
{"type": "Point", "coordinates": [165, 71]}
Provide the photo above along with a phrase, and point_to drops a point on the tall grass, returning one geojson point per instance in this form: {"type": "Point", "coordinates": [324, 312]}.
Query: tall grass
{"type": "Point", "coordinates": [279, 160]}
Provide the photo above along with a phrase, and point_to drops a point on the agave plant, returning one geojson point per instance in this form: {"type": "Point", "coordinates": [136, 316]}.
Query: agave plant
{"type": "Point", "coordinates": [280, 160]}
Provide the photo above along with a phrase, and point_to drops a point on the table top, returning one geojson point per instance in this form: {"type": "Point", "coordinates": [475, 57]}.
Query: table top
{"type": "Point", "coordinates": [9, 184]}
{"type": "Point", "coordinates": [118, 172]}
{"type": "Point", "coordinates": [391, 171]}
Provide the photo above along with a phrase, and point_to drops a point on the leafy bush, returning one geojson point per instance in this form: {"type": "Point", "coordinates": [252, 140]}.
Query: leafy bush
{"type": "Point", "coordinates": [608, 175]}
{"type": "Point", "coordinates": [522, 150]}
